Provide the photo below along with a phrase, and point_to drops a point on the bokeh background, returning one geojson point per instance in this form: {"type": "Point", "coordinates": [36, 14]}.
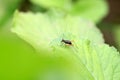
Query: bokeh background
{"type": "Point", "coordinates": [111, 23]}
{"type": "Point", "coordinates": [18, 58]}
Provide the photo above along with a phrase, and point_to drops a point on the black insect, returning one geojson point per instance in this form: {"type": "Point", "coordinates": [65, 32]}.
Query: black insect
{"type": "Point", "coordinates": [67, 42]}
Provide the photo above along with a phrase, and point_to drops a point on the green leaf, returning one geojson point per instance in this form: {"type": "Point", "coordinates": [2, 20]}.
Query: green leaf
{"type": "Point", "coordinates": [7, 9]}
{"type": "Point", "coordinates": [88, 58]}
{"type": "Point", "coordinates": [46, 29]}
{"type": "Point", "coordinates": [61, 4]}
{"type": "Point", "coordinates": [94, 10]}
{"type": "Point", "coordinates": [18, 60]}
{"type": "Point", "coordinates": [102, 61]}
{"type": "Point", "coordinates": [92, 61]}
{"type": "Point", "coordinates": [24, 64]}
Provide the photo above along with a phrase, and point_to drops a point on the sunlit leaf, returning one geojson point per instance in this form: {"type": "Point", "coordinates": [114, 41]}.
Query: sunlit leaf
{"type": "Point", "coordinates": [88, 58]}
{"type": "Point", "coordinates": [45, 29]}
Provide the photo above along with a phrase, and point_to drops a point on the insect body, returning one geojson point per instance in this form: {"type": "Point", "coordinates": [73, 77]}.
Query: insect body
{"type": "Point", "coordinates": [67, 42]}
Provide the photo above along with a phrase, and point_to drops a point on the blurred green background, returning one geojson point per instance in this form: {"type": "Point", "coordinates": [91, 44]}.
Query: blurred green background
{"type": "Point", "coordinates": [19, 61]}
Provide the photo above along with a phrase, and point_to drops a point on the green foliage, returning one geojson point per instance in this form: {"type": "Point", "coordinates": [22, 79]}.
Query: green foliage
{"type": "Point", "coordinates": [30, 26]}
{"type": "Point", "coordinates": [48, 58]}
{"type": "Point", "coordinates": [62, 4]}
{"type": "Point", "coordinates": [87, 58]}
{"type": "Point", "coordinates": [93, 10]}
{"type": "Point", "coordinates": [7, 8]}
{"type": "Point", "coordinates": [18, 60]}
